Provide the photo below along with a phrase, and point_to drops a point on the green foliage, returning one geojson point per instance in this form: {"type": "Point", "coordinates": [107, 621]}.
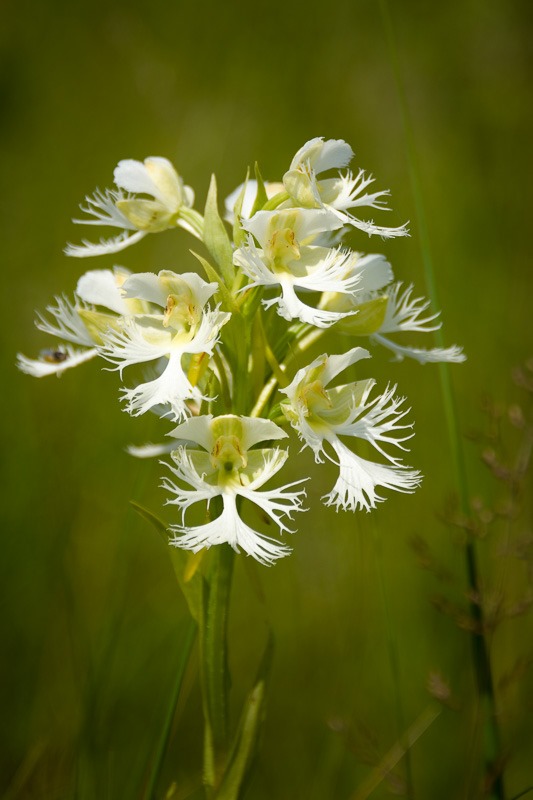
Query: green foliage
{"type": "Point", "coordinates": [246, 739]}
{"type": "Point", "coordinates": [227, 300]}
{"type": "Point", "coordinates": [261, 196]}
{"type": "Point", "coordinates": [239, 234]}
{"type": "Point", "coordinates": [216, 237]}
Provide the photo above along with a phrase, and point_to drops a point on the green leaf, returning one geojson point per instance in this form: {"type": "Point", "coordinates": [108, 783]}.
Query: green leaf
{"type": "Point", "coordinates": [245, 744]}
{"type": "Point", "coordinates": [239, 234]}
{"type": "Point", "coordinates": [159, 524]}
{"type": "Point", "coordinates": [228, 303]}
{"type": "Point", "coordinates": [261, 197]}
{"type": "Point", "coordinates": [216, 238]}
{"type": "Point", "coordinates": [190, 587]}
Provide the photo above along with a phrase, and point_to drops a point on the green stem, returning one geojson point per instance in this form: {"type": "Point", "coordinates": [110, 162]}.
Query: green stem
{"type": "Point", "coordinates": [238, 345]}
{"type": "Point", "coordinates": [276, 201]}
{"type": "Point", "coordinates": [269, 387]}
{"type": "Point", "coordinates": [214, 664]}
{"type": "Point", "coordinates": [272, 361]}
{"type": "Point", "coordinates": [223, 379]}
{"type": "Point", "coordinates": [480, 654]}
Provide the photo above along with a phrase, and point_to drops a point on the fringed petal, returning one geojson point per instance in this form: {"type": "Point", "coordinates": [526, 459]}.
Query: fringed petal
{"type": "Point", "coordinates": [358, 480]}
{"type": "Point", "coordinates": [406, 313]}
{"type": "Point", "coordinates": [230, 529]}
{"type": "Point", "coordinates": [67, 323]}
{"type": "Point", "coordinates": [54, 362]}
{"type": "Point", "coordinates": [451, 355]}
{"type": "Point", "coordinates": [87, 249]}
{"type": "Point", "coordinates": [172, 388]}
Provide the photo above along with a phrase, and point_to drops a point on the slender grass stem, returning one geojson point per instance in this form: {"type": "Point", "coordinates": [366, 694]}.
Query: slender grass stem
{"type": "Point", "coordinates": [522, 794]}
{"type": "Point", "coordinates": [397, 752]}
{"type": "Point", "coordinates": [480, 654]}
{"type": "Point", "coordinates": [521, 464]}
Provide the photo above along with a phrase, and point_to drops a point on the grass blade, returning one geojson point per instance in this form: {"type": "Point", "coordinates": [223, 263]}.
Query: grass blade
{"type": "Point", "coordinates": [184, 657]}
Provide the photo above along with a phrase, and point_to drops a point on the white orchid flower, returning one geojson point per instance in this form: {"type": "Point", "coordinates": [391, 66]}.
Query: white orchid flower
{"type": "Point", "coordinates": [228, 468]}
{"type": "Point", "coordinates": [392, 311]}
{"type": "Point", "coordinates": [321, 415]}
{"type": "Point", "coordinates": [182, 325]}
{"type": "Point", "coordinates": [337, 194]}
{"type": "Point", "coordinates": [137, 216]}
{"type": "Point", "coordinates": [290, 258]}
{"type": "Point", "coordinates": [78, 322]}
{"type": "Point", "coordinates": [248, 200]}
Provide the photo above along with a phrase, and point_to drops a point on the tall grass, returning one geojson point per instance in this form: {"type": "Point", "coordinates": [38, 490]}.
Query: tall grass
{"type": "Point", "coordinates": [488, 713]}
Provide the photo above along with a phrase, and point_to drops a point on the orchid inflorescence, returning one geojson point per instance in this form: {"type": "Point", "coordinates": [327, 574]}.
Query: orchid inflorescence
{"type": "Point", "coordinates": [225, 357]}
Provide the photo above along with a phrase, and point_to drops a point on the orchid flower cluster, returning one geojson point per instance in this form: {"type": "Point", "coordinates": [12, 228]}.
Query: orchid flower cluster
{"type": "Point", "coordinates": [224, 356]}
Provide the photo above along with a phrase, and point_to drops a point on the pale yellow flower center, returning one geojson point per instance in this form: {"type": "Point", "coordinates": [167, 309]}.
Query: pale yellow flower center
{"type": "Point", "coordinates": [314, 397]}
{"type": "Point", "coordinates": [227, 455]}
{"type": "Point", "coordinates": [282, 248]}
{"type": "Point", "coordinates": [180, 312]}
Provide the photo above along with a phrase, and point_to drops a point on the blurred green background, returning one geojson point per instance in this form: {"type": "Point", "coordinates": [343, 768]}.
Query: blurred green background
{"type": "Point", "coordinates": [92, 620]}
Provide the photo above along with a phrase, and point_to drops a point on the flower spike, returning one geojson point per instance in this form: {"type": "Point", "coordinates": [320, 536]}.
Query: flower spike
{"type": "Point", "coordinates": [195, 352]}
